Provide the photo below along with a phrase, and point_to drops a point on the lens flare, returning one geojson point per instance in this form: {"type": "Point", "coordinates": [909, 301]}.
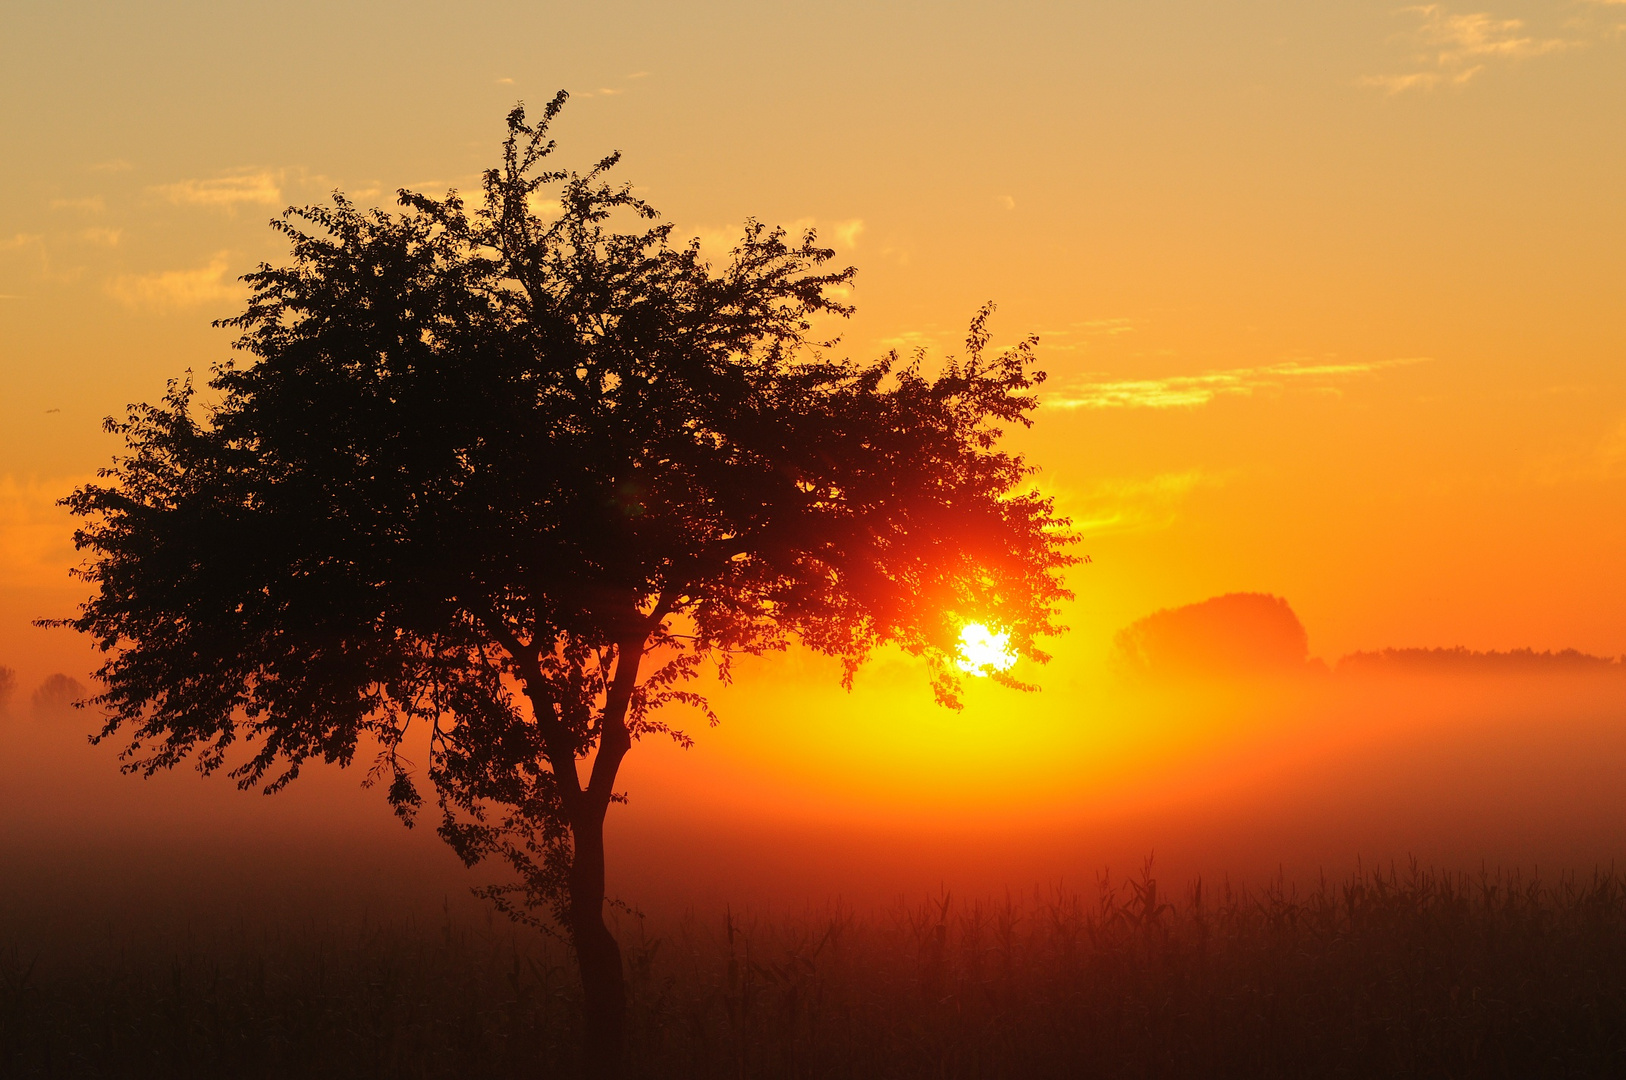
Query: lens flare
{"type": "Point", "coordinates": [984, 651]}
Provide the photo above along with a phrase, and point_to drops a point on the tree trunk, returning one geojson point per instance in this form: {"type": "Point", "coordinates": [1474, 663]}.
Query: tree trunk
{"type": "Point", "coordinates": [598, 956]}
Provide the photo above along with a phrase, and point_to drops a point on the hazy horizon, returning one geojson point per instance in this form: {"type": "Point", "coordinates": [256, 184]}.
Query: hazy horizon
{"type": "Point", "coordinates": [1329, 296]}
{"type": "Point", "coordinates": [1457, 760]}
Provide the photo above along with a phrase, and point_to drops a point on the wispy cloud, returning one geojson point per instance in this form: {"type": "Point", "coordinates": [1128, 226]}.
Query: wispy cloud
{"type": "Point", "coordinates": [1132, 504]}
{"type": "Point", "coordinates": [607, 91]}
{"type": "Point", "coordinates": [846, 233]}
{"type": "Point", "coordinates": [717, 241]}
{"type": "Point", "coordinates": [1452, 49]}
{"type": "Point", "coordinates": [36, 535]}
{"type": "Point", "coordinates": [90, 204]}
{"type": "Point", "coordinates": [841, 235]}
{"type": "Point", "coordinates": [101, 237]}
{"type": "Point", "coordinates": [1078, 336]}
{"type": "Point", "coordinates": [1612, 448]}
{"type": "Point", "coordinates": [1189, 391]}
{"type": "Point", "coordinates": [534, 202]}
{"type": "Point", "coordinates": [1587, 458]}
{"type": "Point", "coordinates": [910, 341]}
{"type": "Point", "coordinates": [173, 289]}
{"type": "Point", "coordinates": [1610, 10]}
{"type": "Point", "coordinates": [226, 192]}
{"type": "Point", "coordinates": [1108, 327]}
{"type": "Point", "coordinates": [46, 267]}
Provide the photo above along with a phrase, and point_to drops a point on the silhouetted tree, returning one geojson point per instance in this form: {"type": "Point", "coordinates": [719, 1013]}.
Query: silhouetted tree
{"type": "Point", "coordinates": [54, 698]}
{"type": "Point", "coordinates": [502, 473]}
{"type": "Point", "coordinates": [1230, 636]}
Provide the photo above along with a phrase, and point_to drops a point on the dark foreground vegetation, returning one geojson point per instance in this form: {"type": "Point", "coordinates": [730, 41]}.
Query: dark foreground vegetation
{"type": "Point", "coordinates": [1402, 972]}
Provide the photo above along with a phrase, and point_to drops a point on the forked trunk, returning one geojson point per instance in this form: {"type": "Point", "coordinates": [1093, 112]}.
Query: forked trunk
{"type": "Point", "coordinates": [598, 956]}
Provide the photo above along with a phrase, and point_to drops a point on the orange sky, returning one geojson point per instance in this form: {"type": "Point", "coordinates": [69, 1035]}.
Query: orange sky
{"type": "Point", "coordinates": [1330, 293]}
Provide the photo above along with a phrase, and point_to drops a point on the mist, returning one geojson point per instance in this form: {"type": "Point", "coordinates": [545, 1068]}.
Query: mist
{"type": "Point", "coordinates": [1247, 762]}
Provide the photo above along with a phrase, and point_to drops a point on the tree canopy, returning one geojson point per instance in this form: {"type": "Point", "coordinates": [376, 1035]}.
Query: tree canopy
{"type": "Point", "coordinates": [506, 470]}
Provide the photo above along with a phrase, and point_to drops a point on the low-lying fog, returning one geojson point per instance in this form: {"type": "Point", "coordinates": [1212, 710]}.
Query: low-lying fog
{"type": "Point", "coordinates": [1208, 739]}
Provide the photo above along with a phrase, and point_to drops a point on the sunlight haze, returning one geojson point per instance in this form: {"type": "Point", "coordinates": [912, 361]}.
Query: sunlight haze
{"type": "Point", "coordinates": [1330, 297]}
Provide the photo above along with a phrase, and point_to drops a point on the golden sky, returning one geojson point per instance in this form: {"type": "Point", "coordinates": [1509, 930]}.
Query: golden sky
{"type": "Point", "coordinates": [1331, 294]}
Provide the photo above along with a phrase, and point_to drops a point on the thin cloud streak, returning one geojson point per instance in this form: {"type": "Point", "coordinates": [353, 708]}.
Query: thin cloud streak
{"type": "Point", "coordinates": [225, 192]}
{"type": "Point", "coordinates": [1612, 448]}
{"type": "Point", "coordinates": [716, 242]}
{"type": "Point", "coordinates": [170, 290]}
{"type": "Point", "coordinates": [1139, 504]}
{"type": "Point", "coordinates": [1190, 391]}
{"type": "Point", "coordinates": [90, 204]}
{"type": "Point", "coordinates": [1453, 49]}
{"type": "Point", "coordinates": [36, 534]}
{"type": "Point", "coordinates": [1076, 336]}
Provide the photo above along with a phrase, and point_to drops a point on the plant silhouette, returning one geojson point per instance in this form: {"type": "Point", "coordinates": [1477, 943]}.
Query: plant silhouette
{"type": "Point", "coordinates": [506, 475]}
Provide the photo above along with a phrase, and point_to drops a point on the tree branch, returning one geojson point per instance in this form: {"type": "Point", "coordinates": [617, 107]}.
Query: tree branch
{"type": "Point", "coordinates": [560, 753]}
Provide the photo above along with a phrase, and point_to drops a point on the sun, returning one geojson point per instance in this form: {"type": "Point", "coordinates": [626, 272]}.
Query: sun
{"type": "Point", "coordinates": [984, 651]}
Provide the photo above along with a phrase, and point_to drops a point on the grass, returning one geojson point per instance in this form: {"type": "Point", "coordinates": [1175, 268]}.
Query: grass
{"type": "Point", "coordinates": [1403, 972]}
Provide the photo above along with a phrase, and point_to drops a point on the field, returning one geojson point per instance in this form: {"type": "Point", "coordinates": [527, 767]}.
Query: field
{"type": "Point", "coordinates": [1401, 971]}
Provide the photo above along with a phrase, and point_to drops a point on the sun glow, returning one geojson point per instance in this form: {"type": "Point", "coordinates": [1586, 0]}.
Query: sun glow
{"type": "Point", "coordinates": [984, 651]}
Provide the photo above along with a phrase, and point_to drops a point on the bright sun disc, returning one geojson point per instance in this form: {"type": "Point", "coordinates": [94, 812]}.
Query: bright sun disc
{"type": "Point", "coordinates": [982, 651]}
